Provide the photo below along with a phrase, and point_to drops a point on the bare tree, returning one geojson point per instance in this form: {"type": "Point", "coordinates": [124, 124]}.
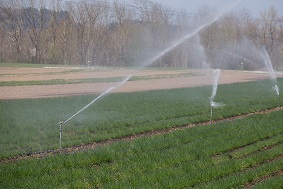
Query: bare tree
{"type": "Point", "coordinates": [94, 12]}
{"type": "Point", "coordinates": [13, 24]}
{"type": "Point", "coordinates": [85, 16]}
{"type": "Point", "coordinates": [3, 45]}
{"type": "Point", "coordinates": [269, 24]}
{"type": "Point", "coordinates": [124, 32]}
{"type": "Point", "coordinates": [53, 31]}
{"type": "Point", "coordinates": [36, 15]}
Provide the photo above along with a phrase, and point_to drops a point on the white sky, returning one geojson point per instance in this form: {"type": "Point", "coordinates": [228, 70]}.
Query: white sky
{"type": "Point", "coordinates": [255, 6]}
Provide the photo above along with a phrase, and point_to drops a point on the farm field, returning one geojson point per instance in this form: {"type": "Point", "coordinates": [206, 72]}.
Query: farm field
{"type": "Point", "coordinates": [238, 154]}
{"type": "Point", "coordinates": [19, 82]}
{"type": "Point", "coordinates": [244, 152]}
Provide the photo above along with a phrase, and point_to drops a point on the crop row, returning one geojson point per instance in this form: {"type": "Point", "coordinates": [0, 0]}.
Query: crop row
{"type": "Point", "coordinates": [33, 124]}
{"type": "Point", "coordinates": [199, 157]}
{"type": "Point", "coordinates": [91, 80]}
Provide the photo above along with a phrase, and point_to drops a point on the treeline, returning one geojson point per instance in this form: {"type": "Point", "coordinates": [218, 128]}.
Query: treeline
{"type": "Point", "coordinates": [100, 33]}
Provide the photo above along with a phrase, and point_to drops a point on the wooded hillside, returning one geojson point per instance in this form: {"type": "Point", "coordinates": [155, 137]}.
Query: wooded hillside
{"type": "Point", "coordinates": [100, 33]}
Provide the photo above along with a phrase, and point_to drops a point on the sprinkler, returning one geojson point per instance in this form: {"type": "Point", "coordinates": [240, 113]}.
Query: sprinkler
{"type": "Point", "coordinates": [214, 105]}
{"type": "Point", "coordinates": [210, 113]}
{"type": "Point", "coordinates": [278, 96]}
{"type": "Point", "coordinates": [214, 91]}
{"type": "Point", "coordinates": [61, 127]}
{"type": "Point", "coordinates": [276, 88]}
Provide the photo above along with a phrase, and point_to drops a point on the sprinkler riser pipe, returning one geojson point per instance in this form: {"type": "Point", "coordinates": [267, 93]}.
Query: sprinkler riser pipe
{"type": "Point", "coordinates": [210, 114]}
{"type": "Point", "coordinates": [61, 128]}
{"type": "Point", "coordinates": [278, 101]}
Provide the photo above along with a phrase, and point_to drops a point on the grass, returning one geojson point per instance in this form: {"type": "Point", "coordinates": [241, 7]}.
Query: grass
{"type": "Point", "coordinates": [231, 154]}
{"type": "Point", "coordinates": [33, 124]}
{"type": "Point", "coordinates": [27, 65]}
{"type": "Point", "coordinates": [181, 159]}
{"type": "Point", "coordinates": [59, 81]}
{"type": "Point", "coordinates": [91, 80]}
{"type": "Point", "coordinates": [275, 182]}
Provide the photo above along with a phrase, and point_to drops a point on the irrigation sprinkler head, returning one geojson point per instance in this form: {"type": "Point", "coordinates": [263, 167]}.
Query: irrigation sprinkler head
{"type": "Point", "coordinates": [276, 88]}
{"type": "Point", "coordinates": [61, 123]}
{"type": "Point", "coordinates": [278, 99]}
{"type": "Point", "coordinates": [216, 104]}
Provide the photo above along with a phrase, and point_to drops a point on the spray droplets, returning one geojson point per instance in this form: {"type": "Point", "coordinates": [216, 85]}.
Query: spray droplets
{"type": "Point", "coordinates": [215, 83]}
{"type": "Point", "coordinates": [271, 71]}
{"type": "Point", "coordinates": [217, 104]}
{"type": "Point", "coordinates": [213, 104]}
{"type": "Point", "coordinates": [276, 88]}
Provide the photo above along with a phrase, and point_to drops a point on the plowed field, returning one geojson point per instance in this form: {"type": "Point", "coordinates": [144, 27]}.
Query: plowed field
{"type": "Point", "coordinates": [150, 79]}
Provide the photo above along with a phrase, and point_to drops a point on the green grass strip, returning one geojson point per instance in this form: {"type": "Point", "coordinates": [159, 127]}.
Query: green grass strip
{"type": "Point", "coordinates": [27, 65]}
{"type": "Point", "coordinates": [240, 179]}
{"type": "Point", "coordinates": [260, 145]}
{"type": "Point", "coordinates": [91, 80]}
{"type": "Point", "coordinates": [59, 81]}
{"type": "Point", "coordinates": [275, 182]}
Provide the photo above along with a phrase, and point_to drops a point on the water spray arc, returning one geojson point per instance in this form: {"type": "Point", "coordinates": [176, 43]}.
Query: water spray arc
{"type": "Point", "coordinates": [276, 88]}
{"type": "Point", "coordinates": [61, 123]}
{"type": "Point", "coordinates": [150, 61]}
{"type": "Point", "coordinates": [271, 71]}
{"type": "Point", "coordinates": [236, 55]}
{"type": "Point", "coordinates": [213, 104]}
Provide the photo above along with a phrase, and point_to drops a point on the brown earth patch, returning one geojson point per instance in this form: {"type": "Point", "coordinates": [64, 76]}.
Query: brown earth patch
{"type": "Point", "coordinates": [151, 80]}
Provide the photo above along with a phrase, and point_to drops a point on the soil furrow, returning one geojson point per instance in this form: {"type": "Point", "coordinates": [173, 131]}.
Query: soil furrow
{"type": "Point", "coordinates": [43, 154]}
{"type": "Point", "coordinates": [263, 178]}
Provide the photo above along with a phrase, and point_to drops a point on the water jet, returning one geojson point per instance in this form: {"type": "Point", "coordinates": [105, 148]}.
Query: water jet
{"type": "Point", "coordinates": [153, 59]}
{"type": "Point", "coordinates": [271, 71]}
{"type": "Point", "coordinates": [213, 104]}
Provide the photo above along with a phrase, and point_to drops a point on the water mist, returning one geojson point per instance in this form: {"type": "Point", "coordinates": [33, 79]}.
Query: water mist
{"type": "Point", "coordinates": [153, 59]}
{"type": "Point", "coordinates": [213, 104]}
{"type": "Point", "coordinates": [236, 55]}
{"type": "Point", "coordinates": [271, 71]}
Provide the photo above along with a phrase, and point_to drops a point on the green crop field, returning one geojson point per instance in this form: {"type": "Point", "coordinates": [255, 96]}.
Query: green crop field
{"type": "Point", "coordinates": [225, 155]}
{"type": "Point", "coordinates": [33, 125]}
{"type": "Point", "coordinates": [240, 153]}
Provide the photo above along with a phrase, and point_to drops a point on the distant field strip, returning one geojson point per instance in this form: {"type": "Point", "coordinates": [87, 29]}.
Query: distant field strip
{"type": "Point", "coordinates": [93, 80]}
{"type": "Point", "coordinates": [59, 81]}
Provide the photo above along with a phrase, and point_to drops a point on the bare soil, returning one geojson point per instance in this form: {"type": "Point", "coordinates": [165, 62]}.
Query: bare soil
{"type": "Point", "coordinates": [151, 80]}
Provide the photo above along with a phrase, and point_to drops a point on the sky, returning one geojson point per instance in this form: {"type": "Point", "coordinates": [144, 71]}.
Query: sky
{"type": "Point", "coordinates": [255, 6]}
